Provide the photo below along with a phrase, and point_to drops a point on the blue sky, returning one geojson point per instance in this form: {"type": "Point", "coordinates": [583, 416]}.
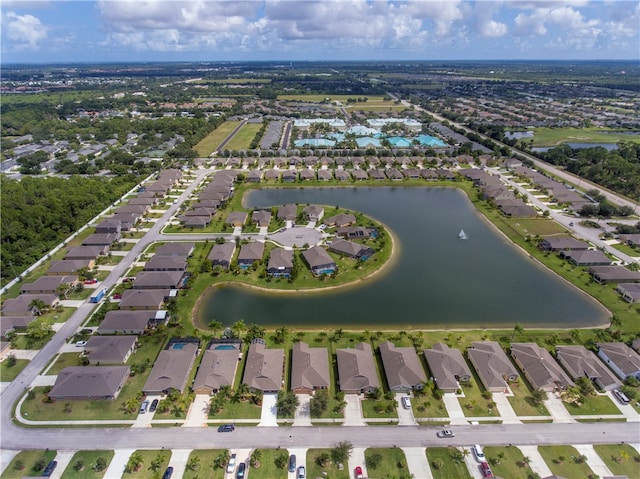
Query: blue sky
{"type": "Point", "coordinates": [222, 30]}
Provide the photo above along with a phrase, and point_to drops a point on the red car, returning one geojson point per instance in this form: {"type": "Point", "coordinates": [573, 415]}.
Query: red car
{"type": "Point", "coordinates": [357, 472]}
{"type": "Point", "coordinates": [486, 470]}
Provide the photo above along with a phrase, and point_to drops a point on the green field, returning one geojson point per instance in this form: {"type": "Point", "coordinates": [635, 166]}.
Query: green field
{"type": "Point", "coordinates": [242, 140]}
{"type": "Point", "coordinates": [446, 464]}
{"type": "Point", "coordinates": [9, 373]}
{"type": "Point", "coordinates": [88, 459]}
{"type": "Point", "coordinates": [562, 462]}
{"type": "Point", "coordinates": [333, 98]}
{"type": "Point", "coordinates": [556, 136]}
{"type": "Point", "coordinates": [209, 143]}
{"type": "Point", "coordinates": [24, 464]}
{"type": "Point", "coordinates": [621, 459]}
{"type": "Point", "coordinates": [201, 464]}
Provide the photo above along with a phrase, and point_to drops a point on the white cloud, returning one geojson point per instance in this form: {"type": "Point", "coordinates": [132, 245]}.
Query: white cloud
{"type": "Point", "coordinates": [492, 29]}
{"type": "Point", "coordinates": [25, 31]}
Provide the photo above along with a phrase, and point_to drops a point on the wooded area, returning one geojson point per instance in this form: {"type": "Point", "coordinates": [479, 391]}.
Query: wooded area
{"type": "Point", "coordinates": [38, 213]}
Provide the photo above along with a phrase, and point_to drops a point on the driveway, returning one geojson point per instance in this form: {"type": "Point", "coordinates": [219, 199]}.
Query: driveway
{"type": "Point", "coordinates": [595, 462]}
{"type": "Point", "coordinates": [627, 409]}
{"type": "Point", "coordinates": [178, 461]}
{"type": "Point", "coordinates": [118, 463]}
{"type": "Point", "coordinates": [505, 410]}
{"type": "Point", "coordinates": [357, 459]}
{"type": "Point", "coordinates": [537, 464]}
{"type": "Point", "coordinates": [63, 459]}
{"type": "Point", "coordinates": [454, 410]}
{"type": "Point", "coordinates": [473, 466]}
{"type": "Point", "coordinates": [301, 459]}
{"type": "Point", "coordinates": [557, 410]}
{"type": "Point", "coordinates": [353, 411]}
{"type": "Point", "coordinates": [417, 462]}
{"type": "Point", "coordinates": [198, 413]}
{"type": "Point", "coordinates": [405, 416]}
{"type": "Point", "coordinates": [269, 415]}
{"type": "Point", "coordinates": [303, 414]}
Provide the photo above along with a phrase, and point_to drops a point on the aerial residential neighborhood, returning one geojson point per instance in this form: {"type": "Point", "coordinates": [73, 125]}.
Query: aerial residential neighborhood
{"type": "Point", "coordinates": [340, 269]}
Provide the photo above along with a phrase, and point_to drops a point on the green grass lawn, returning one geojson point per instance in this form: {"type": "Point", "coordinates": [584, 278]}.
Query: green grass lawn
{"type": "Point", "coordinates": [267, 468]}
{"type": "Point", "coordinates": [242, 409]}
{"type": "Point", "coordinates": [205, 465]}
{"type": "Point", "coordinates": [88, 458]}
{"type": "Point", "coordinates": [392, 462]}
{"type": "Point", "coordinates": [23, 342]}
{"type": "Point", "coordinates": [560, 460]}
{"type": "Point", "coordinates": [209, 143]}
{"type": "Point", "coordinates": [23, 464]}
{"type": "Point", "coordinates": [507, 461]}
{"type": "Point", "coordinates": [621, 459]}
{"type": "Point", "coordinates": [242, 140]}
{"type": "Point", "coordinates": [145, 471]}
{"type": "Point", "coordinates": [65, 360]}
{"type": "Point", "coordinates": [473, 404]}
{"type": "Point", "coordinates": [555, 136]}
{"type": "Point", "coordinates": [379, 409]}
{"type": "Point", "coordinates": [626, 249]}
{"type": "Point", "coordinates": [593, 405]}
{"type": "Point", "coordinates": [426, 405]}
{"type": "Point", "coordinates": [330, 471]}
{"type": "Point", "coordinates": [444, 466]}
{"type": "Point", "coordinates": [9, 373]}
{"type": "Point", "coordinates": [522, 401]}
{"type": "Point", "coordinates": [333, 98]}
{"type": "Point", "coordinates": [536, 226]}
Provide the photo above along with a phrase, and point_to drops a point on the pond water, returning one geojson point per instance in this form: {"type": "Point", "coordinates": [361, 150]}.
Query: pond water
{"type": "Point", "coordinates": [436, 281]}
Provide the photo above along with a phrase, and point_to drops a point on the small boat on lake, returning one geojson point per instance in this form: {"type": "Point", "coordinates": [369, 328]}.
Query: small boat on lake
{"type": "Point", "coordinates": [462, 235]}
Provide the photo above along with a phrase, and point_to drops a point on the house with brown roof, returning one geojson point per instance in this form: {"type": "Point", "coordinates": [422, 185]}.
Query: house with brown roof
{"type": "Point", "coordinates": [287, 212]}
{"type": "Point", "coordinates": [21, 306]}
{"type": "Point", "coordinates": [579, 362]}
{"type": "Point", "coordinates": [492, 365]}
{"type": "Point", "coordinates": [622, 360]}
{"type": "Point", "coordinates": [353, 250]}
{"type": "Point", "coordinates": [109, 225]}
{"type": "Point", "coordinates": [129, 322]}
{"type": "Point", "coordinates": [250, 253]}
{"type": "Point", "coordinates": [49, 284]}
{"type": "Point", "coordinates": [586, 258]}
{"type": "Point", "coordinates": [313, 212]}
{"type": "Point", "coordinates": [101, 239]}
{"type": "Point", "coordinates": [86, 252]}
{"type": "Point", "coordinates": [177, 248]}
{"type": "Point", "coordinates": [221, 255]}
{"type": "Point", "coordinates": [340, 220]}
{"type": "Point", "coordinates": [171, 369]}
{"type": "Point", "coordinates": [342, 175]}
{"type": "Point", "coordinates": [402, 368]}
{"type": "Point", "coordinates": [562, 244]}
{"type": "Point", "coordinates": [89, 382]}
{"type": "Point", "coordinates": [280, 262]}
{"type": "Point", "coordinates": [630, 292]}
{"type": "Point", "coordinates": [158, 280]}
{"type": "Point", "coordinates": [613, 274]}
{"type": "Point", "coordinates": [68, 267]}
{"type": "Point", "coordinates": [447, 366]}
{"type": "Point", "coordinates": [264, 368]}
{"type": "Point", "coordinates": [357, 371]}
{"type": "Point", "coordinates": [261, 218]}
{"type": "Point", "coordinates": [147, 299]}
{"type": "Point", "coordinates": [110, 349]}
{"type": "Point", "coordinates": [325, 175]}
{"type": "Point", "coordinates": [236, 218]}
{"type": "Point", "coordinates": [309, 368]}
{"type": "Point", "coordinates": [631, 239]}
{"type": "Point", "coordinates": [254, 176]}
{"type": "Point", "coordinates": [218, 366]}
{"type": "Point", "coordinates": [539, 367]}
{"type": "Point", "coordinates": [319, 261]}
{"type": "Point", "coordinates": [12, 323]}
{"type": "Point", "coordinates": [166, 263]}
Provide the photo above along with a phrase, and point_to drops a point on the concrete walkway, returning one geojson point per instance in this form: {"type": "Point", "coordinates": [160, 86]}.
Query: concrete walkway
{"type": "Point", "coordinates": [269, 413]}
{"type": "Point", "coordinates": [626, 409]}
{"type": "Point", "coordinates": [178, 461]}
{"type": "Point", "coordinates": [594, 461]}
{"type": "Point", "coordinates": [454, 410]}
{"type": "Point", "coordinates": [301, 460]}
{"type": "Point", "coordinates": [63, 458]}
{"type": "Point", "coordinates": [405, 416]}
{"type": "Point", "coordinates": [72, 303]}
{"type": "Point", "coordinates": [554, 405]}
{"type": "Point", "coordinates": [44, 381]}
{"type": "Point", "coordinates": [417, 462]}
{"type": "Point", "coordinates": [537, 464]}
{"type": "Point", "coordinates": [353, 411]}
{"type": "Point", "coordinates": [118, 463]}
{"type": "Point", "coordinates": [27, 354]}
{"type": "Point", "coordinates": [198, 412]}
{"type": "Point", "coordinates": [505, 410]}
{"type": "Point", "coordinates": [357, 459]}
{"type": "Point", "coordinates": [6, 456]}
{"type": "Point", "coordinates": [473, 466]}
{"type": "Point", "coordinates": [303, 411]}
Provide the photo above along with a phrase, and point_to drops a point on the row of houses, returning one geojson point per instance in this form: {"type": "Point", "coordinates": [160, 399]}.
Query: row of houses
{"type": "Point", "coordinates": [309, 174]}
{"type": "Point", "coordinates": [214, 195]}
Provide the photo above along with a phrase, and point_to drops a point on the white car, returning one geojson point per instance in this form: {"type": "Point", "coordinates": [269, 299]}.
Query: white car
{"type": "Point", "coordinates": [81, 344]}
{"type": "Point", "coordinates": [231, 465]}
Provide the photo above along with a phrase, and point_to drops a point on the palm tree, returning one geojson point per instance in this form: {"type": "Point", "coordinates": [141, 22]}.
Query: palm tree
{"type": "Point", "coordinates": [239, 327]}
{"type": "Point", "coordinates": [517, 329]}
{"type": "Point", "coordinates": [215, 326]}
{"type": "Point", "coordinates": [254, 460]}
{"type": "Point", "coordinates": [37, 306]}
{"type": "Point", "coordinates": [194, 463]}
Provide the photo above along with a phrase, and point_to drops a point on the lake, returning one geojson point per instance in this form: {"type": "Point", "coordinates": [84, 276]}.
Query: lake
{"type": "Point", "coordinates": [436, 281]}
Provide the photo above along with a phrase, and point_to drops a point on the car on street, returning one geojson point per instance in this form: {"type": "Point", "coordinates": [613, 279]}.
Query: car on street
{"type": "Point", "coordinates": [226, 428]}
{"type": "Point", "coordinates": [231, 465]}
{"type": "Point", "coordinates": [445, 433]}
{"type": "Point", "coordinates": [153, 406]}
{"type": "Point", "coordinates": [406, 402]}
{"type": "Point", "coordinates": [302, 473]}
{"type": "Point", "coordinates": [49, 469]}
{"type": "Point", "coordinates": [144, 406]}
{"type": "Point", "coordinates": [241, 470]}
{"type": "Point", "coordinates": [357, 473]}
{"type": "Point", "coordinates": [168, 473]}
{"type": "Point", "coordinates": [486, 470]}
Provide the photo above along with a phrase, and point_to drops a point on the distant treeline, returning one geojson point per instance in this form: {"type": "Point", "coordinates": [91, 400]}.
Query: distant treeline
{"type": "Point", "coordinates": [38, 213]}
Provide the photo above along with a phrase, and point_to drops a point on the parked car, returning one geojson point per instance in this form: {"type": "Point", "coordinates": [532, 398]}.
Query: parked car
{"type": "Point", "coordinates": [292, 463]}
{"type": "Point", "coordinates": [620, 396]}
{"type": "Point", "coordinates": [154, 405]}
{"type": "Point", "coordinates": [406, 402]}
{"type": "Point", "coordinates": [241, 470]}
{"type": "Point", "coordinates": [486, 470]}
{"type": "Point", "coordinates": [49, 469]}
{"type": "Point", "coordinates": [168, 473]}
{"type": "Point", "coordinates": [226, 428]}
{"type": "Point", "coordinates": [231, 465]}
{"type": "Point", "coordinates": [478, 453]}
{"type": "Point", "coordinates": [445, 433]}
{"type": "Point", "coordinates": [81, 344]}
{"type": "Point", "coordinates": [302, 473]}
{"type": "Point", "coordinates": [144, 406]}
{"type": "Point", "coordinates": [357, 472]}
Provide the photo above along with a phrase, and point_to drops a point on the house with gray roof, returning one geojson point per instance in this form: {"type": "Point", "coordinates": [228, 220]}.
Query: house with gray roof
{"type": "Point", "coordinates": [109, 225]}
{"type": "Point", "coordinates": [342, 175]}
{"type": "Point", "coordinates": [319, 261]}
{"type": "Point", "coordinates": [89, 382]}
{"type": "Point", "coordinates": [579, 362]}
{"type": "Point", "coordinates": [148, 299]}
{"type": "Point", "coordinates": [356, 232]}
{"type": "Point", "coordinates": [21, 306]}
{"type": "Point", "coordinates": [128, 322]}
{"type": "Point", "coordinates": [250, 253]}
{"type": "Point", "coordinates": [309, 368]}
{"type": "Point", "coordinates": [402, 368]}
{"type": "Point", "coordinates": [289, 176]}
{"type": "Point", "coordinates": [631, 239]}
{"type": "Point", "coordinates": [622, 360]}
{"type": "Point", "coordinates": [101, 239]}
{"type": "Point", "coordinates": [68, 267]}
{"type": "Point", "coordinates": [353, 250]}
{"type": "Point", "coordinates": [562, 244]}
{"type": "Point", "coordinates": [613, 274]}
{"type": "Point", "coordinates": [166, 263]}
{"type": "Point", "coordinates": [313, 212]}
{"type": "Point", "coordinates": [630, 292]}
{"type": "Point", "coordinates": [158, 280]}
{"type": "Point", "coordinates": [221, 255]}
{"type": "Point", "coordinates": [586, 258]}
{"type": "Point", "coordinates": [254, 176]}
{"type": "Point", "coordinates": [261, 218]}
{"type": "Point", "coordinates": [171, 369]}
{"type": "Point", "coordinates": [12, 323]}
{"type": "Point", "coordinates": [325, 175]}
{"type": "Point", "coordinates": [236, 218]}
{"type": "Point", "coordinates": [264, 369]}
{"type": "Point", "coordinates": [86, 252]}
{"type": "Point", "coordinates": [448, 367]}
{"type": "Point", "coordinates": [280, 262]}
{"type": "Point", "coordinates": [103, 350]}
{"type": "Point", "coordinates": [540, 369]}
{"type": "Point", "coordinates": [287, 212]}
{"type": "Point", "coordinates": [49, 284]}
{"type": "Point", "coordinates": [357, 371]}
{"type": "Point", "coordinates": [218, 366]}
{"type": "Point", "coordinates": [177, 248]}
{"type": "Point", "coordinates": [340, 220]}
{"type": "Point", "coordinates": [492, 365]}
{"type": "Point", "coordinates": [196, 221]}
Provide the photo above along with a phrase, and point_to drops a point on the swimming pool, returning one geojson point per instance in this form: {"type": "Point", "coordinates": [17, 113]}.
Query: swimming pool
{"type": "Point", "coordinates": [225, 346]}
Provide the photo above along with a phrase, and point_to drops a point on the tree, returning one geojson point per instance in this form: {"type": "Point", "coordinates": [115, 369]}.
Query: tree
{"type": "Point", "coordinates": [517, 329]}
{"type": "Point", "coordinates": [100, 465]}
{"type": "Point", "coordinates": [281, 460]}
{"type": "Point", "coordinates": [287, 402]}
{"type": "Point", "coordinates": [215, 326]}
{"type": "Point", "coordinates": [319, 403]}
{"type": "Point", "coordinates": [37, 306]}
{"type": "Point", "coordinates": [220, 462]}
{"type": "Point", "coordinates": [373, 460]}
{"type": "Point", "coordinates": [39, 328]}
{"type": "Point", "coordinates": [538, 396]}
{"type": "Point", "coordinates": [134, 463]}
{"type": "Point", "coordinates": [238, 328]}
{"type": "Point", "coordinates": [281, 335]}
{"type": "Point", "coordinates": [254, 460]}
{"type": "Point", "coordinates": [341, 453]}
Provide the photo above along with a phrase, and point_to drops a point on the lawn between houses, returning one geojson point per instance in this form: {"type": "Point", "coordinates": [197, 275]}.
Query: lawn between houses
{"type": "Point", "coordinates": [28, 463]}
